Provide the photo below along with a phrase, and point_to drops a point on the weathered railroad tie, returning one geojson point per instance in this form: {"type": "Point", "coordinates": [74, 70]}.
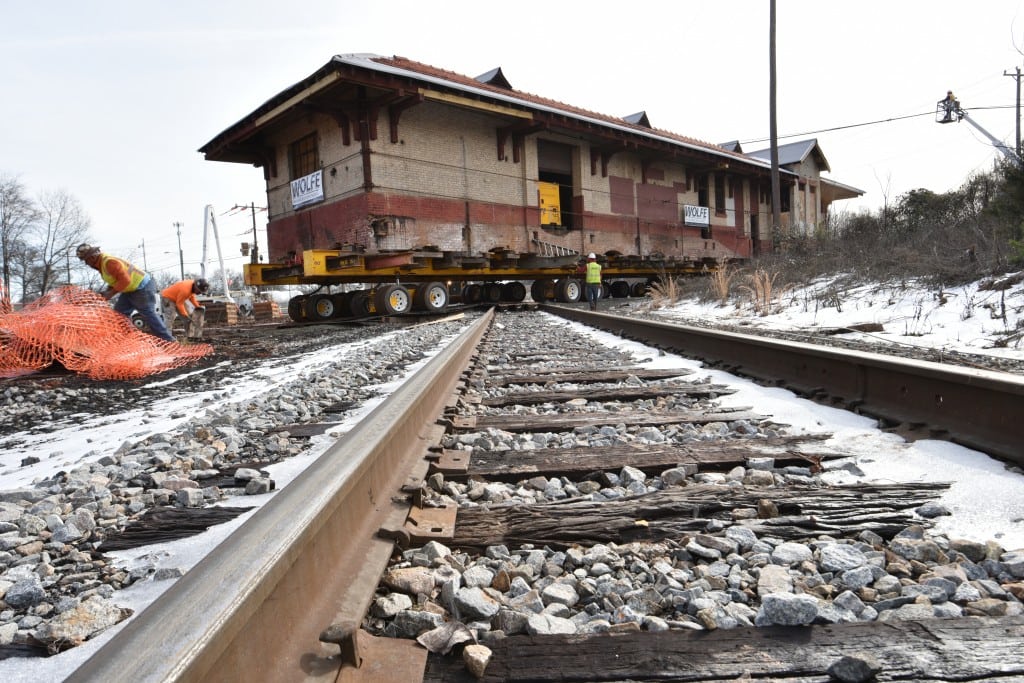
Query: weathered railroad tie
{"type": "Point", "coordinates": [279, 598]}
{"type": "Point", "coordinates": [977, 408]}
{"type": "Point", "coordinates": [291, 596]}
{"type": "Point", "coordinates": [685, 516]}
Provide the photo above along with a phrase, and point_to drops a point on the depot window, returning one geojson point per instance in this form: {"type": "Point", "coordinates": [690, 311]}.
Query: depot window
{"type": "Point", "coordinates": [702, 189]}
{"type": "Point", "coordinates": [303, 156]}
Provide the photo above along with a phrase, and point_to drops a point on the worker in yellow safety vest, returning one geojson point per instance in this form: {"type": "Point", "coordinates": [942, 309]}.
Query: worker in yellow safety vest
{"type": "Point", "coordinates": [593, 280]}
{"type": "Point", "coordinates": [951, 105]}
{"type": "Point", "coordinates": [134, 288]}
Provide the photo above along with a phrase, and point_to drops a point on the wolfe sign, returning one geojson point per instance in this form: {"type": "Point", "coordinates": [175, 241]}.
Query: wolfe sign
{"type": "Point", "coordinates": [696, 216]}
{"type": "Point", "coordinates": [308, 189]}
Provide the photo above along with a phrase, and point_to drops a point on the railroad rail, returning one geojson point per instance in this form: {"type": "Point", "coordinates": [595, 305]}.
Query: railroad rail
{"type": "Point", "coordinates": [285, 596]}
{"type": "Point", "coordinates": [254, 608]}
{"type": "Point", "coordinates": [976, 408]}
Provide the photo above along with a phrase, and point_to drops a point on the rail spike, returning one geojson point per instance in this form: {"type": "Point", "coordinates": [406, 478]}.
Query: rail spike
{"type": "Point", "coordinates": [401, 537]}
{"type": "Point", "coordinates": [346, 636]}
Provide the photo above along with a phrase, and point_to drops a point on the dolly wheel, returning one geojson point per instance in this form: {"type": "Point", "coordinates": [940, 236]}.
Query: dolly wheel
{"type": "Point", "coordinates": [393, 300]}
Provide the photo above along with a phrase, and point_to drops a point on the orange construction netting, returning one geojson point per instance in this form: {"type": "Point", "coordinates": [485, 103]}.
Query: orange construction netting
{"type": "Point", "coordinates": [79, 329]}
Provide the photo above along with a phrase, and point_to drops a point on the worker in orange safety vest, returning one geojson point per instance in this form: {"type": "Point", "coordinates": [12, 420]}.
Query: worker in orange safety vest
{"type": "Point", "coordinates": [180, 299]}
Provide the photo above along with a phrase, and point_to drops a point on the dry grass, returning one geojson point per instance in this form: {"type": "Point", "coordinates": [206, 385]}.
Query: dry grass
{"type": "Point", "coordinates": [720, 283]}
{"type": "Point", "coordinates": [762, 290]}
{"type": "Point", "coordinates": [664, 292]}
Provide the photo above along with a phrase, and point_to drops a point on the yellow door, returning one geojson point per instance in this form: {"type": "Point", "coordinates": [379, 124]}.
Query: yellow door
{"type": "Point", "coordinates": [550, 208]}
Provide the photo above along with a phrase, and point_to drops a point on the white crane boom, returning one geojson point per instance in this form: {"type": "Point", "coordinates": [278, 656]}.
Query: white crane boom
{"type": "Point", "coordinates": [209, 221]}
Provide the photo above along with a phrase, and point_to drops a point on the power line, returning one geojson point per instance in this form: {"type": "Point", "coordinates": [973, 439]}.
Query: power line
{"type": "Point", "coordinates": [866, 123]}
{"type": "Point", "coordinates": [238, 210]}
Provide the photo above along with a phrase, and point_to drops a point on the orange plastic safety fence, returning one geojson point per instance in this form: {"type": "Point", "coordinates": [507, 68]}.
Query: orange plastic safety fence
{"type": "Point", "coordinates": [79, 329]}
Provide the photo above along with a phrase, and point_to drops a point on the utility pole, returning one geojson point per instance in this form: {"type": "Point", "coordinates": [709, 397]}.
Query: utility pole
{"type": "Point", "coordinates": [773, 126]}
{"type": "Point", "coordinates": [181, 254]}
{"type": "Point", "coordinates": [254, 254]}
{"type": "Point", "coordinates": [252, 206]}
{"type": "Point", "coordinates": [143, 245]}
{"type": "Point", "coordinates": [1016, 77]}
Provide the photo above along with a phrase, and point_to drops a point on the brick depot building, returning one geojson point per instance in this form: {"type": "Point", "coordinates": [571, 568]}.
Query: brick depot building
{"type": "Point", "coordinates": [386, 154]}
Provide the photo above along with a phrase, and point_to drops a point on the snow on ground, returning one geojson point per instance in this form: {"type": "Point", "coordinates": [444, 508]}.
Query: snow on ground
{"type": "Point", "coordinates": [963, 318]}
{"type": "Point", "coordinates": [75, 442]}
{"type": "Point", "coordinates": [72, 445]}
{"type": "Point", "coordinates": [986, 499]}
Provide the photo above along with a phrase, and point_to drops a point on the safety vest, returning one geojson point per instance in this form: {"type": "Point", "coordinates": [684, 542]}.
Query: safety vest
{"type": "Point", "coordinates": [593, 273]}
{"type": "Point", "coordinates": [179, 293]}
{"type": "Point", "coordinates": [135, 275]}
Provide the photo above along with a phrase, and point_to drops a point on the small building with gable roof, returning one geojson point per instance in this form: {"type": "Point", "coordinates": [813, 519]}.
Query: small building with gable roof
{"type": "Point", "coordinates": [387, 155]}
{"type": "Point", "coordinates": [804, 207]}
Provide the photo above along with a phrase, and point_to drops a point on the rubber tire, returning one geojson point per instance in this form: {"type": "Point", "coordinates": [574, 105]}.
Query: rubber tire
{"type": "Point", "coordinates": [341, 304]}
{"type": "Point", "coordinates": [472, 294]}
{"type": "Point", "coordinates": [319, 307]}
{"type": "Point", "coordinates": [359, 303]}
{"type": "Point", "coordinates": [542, 290]}
{"type": "Point", "coordinates": [514, 292]}
{"type": "Point", "coordinates": [619, 289]}
{"type": "Point", "coordinates": [431, 297]}
{"type": "Point", "coordinates": [296, 308]}
{"type": "Point", "coordinates": [491, 292]}
{"type": "Point", "coordinates": [639, 290]}
{"type": "Point", "coordinates": [568, 291]}
{"type": "Point", "coordinates": [392, 300]}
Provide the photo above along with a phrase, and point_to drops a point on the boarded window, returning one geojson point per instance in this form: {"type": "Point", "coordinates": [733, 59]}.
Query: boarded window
{"type": "Point", "coordinates": [622, 200]}
{"type": "Point", "coordinates": [657, 203]}
{"type": "Point", "coordinates": [303, 156]}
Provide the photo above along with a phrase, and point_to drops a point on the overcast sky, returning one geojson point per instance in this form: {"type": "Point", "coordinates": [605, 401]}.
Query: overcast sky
{"type": "Point", "coordinates": [110, 100]}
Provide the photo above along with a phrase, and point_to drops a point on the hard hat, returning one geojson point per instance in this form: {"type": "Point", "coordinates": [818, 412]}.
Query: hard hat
{"type": "Point", "coordinates": [84, 251]}
{"type": "Point", "coordinates": [201, 286]}
{"type": "Point", "coordinates": [591, 255]}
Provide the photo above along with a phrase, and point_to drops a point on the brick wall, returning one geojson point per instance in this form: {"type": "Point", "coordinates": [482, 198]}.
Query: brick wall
{"type": "Point", "coordinates": [442, 185]}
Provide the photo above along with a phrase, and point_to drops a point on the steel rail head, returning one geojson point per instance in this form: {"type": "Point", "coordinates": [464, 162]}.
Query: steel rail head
{"type": "Point", "coordinates": [272, 579]}
{"type": "Point", "coordinates": [979, 409]}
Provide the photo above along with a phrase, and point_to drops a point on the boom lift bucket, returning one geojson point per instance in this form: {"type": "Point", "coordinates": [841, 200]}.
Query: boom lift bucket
{"type": "Point", "coordinates": [948, 112]}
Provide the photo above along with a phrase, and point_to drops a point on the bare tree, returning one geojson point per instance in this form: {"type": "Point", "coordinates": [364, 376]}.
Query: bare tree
{"type": "Point", "coordinates": [17, 213]}
{"type": "Point", "coordinates": [61, 226]}
{"type": "Point", "coordinates": [233, 277]}
{"type": "Point", "coordinates": [24, 264]}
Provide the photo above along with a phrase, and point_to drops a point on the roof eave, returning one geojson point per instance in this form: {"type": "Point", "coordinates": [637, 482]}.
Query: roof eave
{"type": "Point", "coordinates": [229, 145]}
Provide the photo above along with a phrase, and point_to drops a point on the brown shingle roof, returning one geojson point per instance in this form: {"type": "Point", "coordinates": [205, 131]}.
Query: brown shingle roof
{"type": "Point", "coordinates": [221, 147]}
{"type": "Point", "coordinates": [460, 80]}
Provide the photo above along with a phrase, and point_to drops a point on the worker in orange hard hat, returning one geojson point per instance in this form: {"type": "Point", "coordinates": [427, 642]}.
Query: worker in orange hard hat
{"type": "Point", "coordinates": [180, 299]}
{"type": "Point", "coordinates": [134, 288]}
{"type": "Point", "coordinates": [593, 280]}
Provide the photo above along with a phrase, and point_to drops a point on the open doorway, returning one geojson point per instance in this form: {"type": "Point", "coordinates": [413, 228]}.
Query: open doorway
{"type": "Point", "coordinates": [554, 166]}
